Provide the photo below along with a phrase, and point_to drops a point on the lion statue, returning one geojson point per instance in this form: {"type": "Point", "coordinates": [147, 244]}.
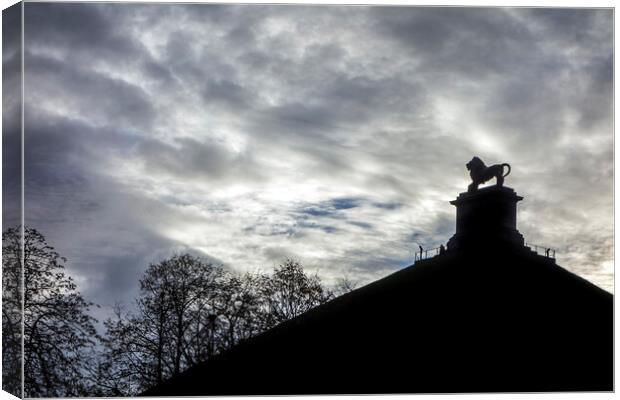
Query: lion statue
{"type": "Point", "coordinates": [480, 173]}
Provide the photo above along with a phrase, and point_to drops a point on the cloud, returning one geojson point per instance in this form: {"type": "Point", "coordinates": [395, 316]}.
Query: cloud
{"type": "Point", "coordinates": [87, 95]}
{"type": "Point", "coordinates": [201, 161]}
{"type": "Point", "coordinates": [11, 116]}
{"type": "Point", "coordinates": [337, 135]}
{"type": "Point", "coordinates": [87, 30]}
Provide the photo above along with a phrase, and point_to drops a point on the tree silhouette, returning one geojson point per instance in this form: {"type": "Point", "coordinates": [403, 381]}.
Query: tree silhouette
{"type": "Point", "coordinates": [188, 310]}
{"type": "Point", "coordinates": [240, 308]}
{"type": "Point", "coordinates": [290, 292]}
{"type": "Point", "coordinates": [11, 312]}
{"type": "Point", "coordinates": [59, 335]}
{"type": "Point", "coordinates": [343, 286]}
{"type": "Point", "coordinates": [173, 327]}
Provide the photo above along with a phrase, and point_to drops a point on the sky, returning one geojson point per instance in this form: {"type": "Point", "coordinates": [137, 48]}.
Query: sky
{"type": "Point", "coordinates": [247, 134]}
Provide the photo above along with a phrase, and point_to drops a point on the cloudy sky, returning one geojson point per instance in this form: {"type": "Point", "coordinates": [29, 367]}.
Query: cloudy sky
{"type": "Point", "coordinates": [337, 135]}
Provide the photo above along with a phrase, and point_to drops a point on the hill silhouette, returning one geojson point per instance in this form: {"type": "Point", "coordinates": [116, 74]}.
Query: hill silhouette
{"type": "Point", "coordinates": [488, 315]}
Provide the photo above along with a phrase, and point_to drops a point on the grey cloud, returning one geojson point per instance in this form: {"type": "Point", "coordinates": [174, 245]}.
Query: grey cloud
{"type": "Point", "coordinates": [388, 205]}
{"type": "Point", "coordinates": [368, 263]}
{"type": "Point", "coordinates": [442, 228]}
{"type": "Point", "coordinates": [193, 61]}
{"type": "Point", "coordinates": [595, 108]}
{"type": "Point", "coordinates": [301, 118]}
{"type": "Point", "coordinates": [527, 68]}
{"type": "Point", "coordinates": [71, 200]}
{"type": "Point", "coordinates": [220, 14]}
{"type": "Point", "coordinates": [228, 93]}
{"type": "Point", "coordinates": [11, 176]}
{"type": "Point", "coordinates": [242, 35]}
{"type": "Point", "coordinates": [109, 267]}
{"type": "Point", "coordinates": [469, 42]}
{"type": "Point", "coordinates": [331, 104]}
{"type": "Point", "coordinates": [434, 234]}
{"type": "Point", "coordinates": [157, 71]}
{"type": "Point", "coordinates": [345, 203]}
{"type": "Point", "coordinates": [91, 95]}
{"type": "Point", "coordinates": [11, 116]}
{"type": "Point", "coordinates": [319, 212]}
{"type": "Point", "coordinates": [371, 111]}
{"type": "Point", "coordinates": [333, 208]}
{"type": "Point", "coordinates": [179, 48]}
{"type": "Point", "coordinates": [11, 31]}
{"type": "Point", "coordinates": [94, 29]}
{"type": "Point", "coordinates": [358, 99]}
{"type": "Point", "coordinates": [308, 224]}
{"type": "Point", "coordinates": [276, 255]}
{"type": "Point", "coordinates": [571, 25]}
{"type": "Point", "coordinates": [256, 60]}
{"type": "Point", "coordinates": [201, 160]}
{"type": "Point", "coordinates": [87, 35]}
{"type": "Point", "coordinates": [271, 229]}
{"type": "Point", "coordinates": [50, 139]}
{"type": "Point", "coordinates": [363, 225]}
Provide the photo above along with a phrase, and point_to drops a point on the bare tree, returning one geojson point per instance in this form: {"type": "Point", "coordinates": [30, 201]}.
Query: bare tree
{"type": "Point", "coordinates": [59, 335]}
{"type": "Point", "coordinates": [189, 310]}
{"type": "Point", "coordinates": [170, 329]}
{"type": "Point", "coordinates": [290, 292]}
{"type": "Point", "coordinates": [11, 312]}
{"type": "Point", "coordinates": [343, 286]}
{"type": "Point", "coordinates": [241, 307]}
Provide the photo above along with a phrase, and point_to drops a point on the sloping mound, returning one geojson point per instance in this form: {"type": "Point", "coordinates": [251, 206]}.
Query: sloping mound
{"type": "Point", "coordinates": [505, 320]}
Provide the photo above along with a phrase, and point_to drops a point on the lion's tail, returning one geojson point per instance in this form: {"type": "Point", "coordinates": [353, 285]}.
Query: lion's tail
{"type": "Point", "coordinates": [506, 165]}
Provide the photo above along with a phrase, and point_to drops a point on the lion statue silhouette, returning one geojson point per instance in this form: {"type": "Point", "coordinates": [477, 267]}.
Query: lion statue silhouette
{"type": "Point", "coordinates": [480, 173]}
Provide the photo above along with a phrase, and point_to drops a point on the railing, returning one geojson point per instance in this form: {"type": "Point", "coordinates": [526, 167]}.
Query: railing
{"type": "Point", "coordinates": [545, 251]}
{"type": "Point", "coordinates": [542, 250]}
{"type": "Point", "coordinates": [424, 254]}
{"type": "Point", "coordinates": [536, 248]}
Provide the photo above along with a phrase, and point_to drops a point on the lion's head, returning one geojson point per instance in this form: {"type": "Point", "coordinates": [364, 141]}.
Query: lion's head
{"type": "Point", "coordinates": [475, 164]}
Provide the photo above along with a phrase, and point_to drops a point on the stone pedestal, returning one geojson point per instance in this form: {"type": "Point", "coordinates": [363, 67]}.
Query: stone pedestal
{"type": "Point", "coordinates": [486, 217]}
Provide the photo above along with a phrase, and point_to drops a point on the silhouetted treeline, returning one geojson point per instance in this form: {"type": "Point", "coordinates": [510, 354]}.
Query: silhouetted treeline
{"type": "Point", "coordinates": [59, 335]}
{"type": "Point", "coordinates": [188, 309]}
